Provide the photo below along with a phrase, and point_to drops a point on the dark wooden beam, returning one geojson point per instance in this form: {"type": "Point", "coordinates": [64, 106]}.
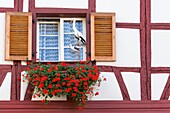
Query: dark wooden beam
{"type": "Point", "coordinates": [148, 48]}
{"type": "Point", "coordinates": [128, 25]}
{"type": "Point", "coordinates": [121, 83]}
{"type": "Point", "coordinates": [160, 26]}
{"type": "Point", "coordinates": [91, 107]}
{"type": "Point", "coordinates": [166, 92]}
{"type": "Point", "coordinates": [143, 72]}
{"type": "Point", "coordinates": [6, 9]}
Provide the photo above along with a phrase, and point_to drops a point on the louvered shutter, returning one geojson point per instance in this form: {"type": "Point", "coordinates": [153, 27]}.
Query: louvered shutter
{"type": "Point", "coordinates": [18, 40]}
{"type": "Point", "coordinates": [103, 38]}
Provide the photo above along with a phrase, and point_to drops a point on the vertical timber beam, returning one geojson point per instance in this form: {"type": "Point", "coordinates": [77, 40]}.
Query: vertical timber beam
{"type": "Point", "coordinates": [143, 72]}
{"type": "Point", "coordinates": [91, 8]}
{"type": "Point", "coordinates": [34, 18]}
{"type": "Point", "coordinates": [148, 47]}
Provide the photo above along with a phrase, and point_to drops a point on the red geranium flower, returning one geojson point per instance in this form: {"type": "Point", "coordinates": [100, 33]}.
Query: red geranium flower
{"type": "Point", "coordinates": [27, 68]}
{"type": "Point", "coordinates": [88, 92]}
{"type": "Point", "coordinates": [85, 83]}
{"type": "Point", "coordinates": [56, 79]}
{"type": "Point", "coordinates": [73, 94]}
{"type": "Point", "coordinates": [64, 64]}
{"type": "Point", "coordinates": [50, 70]}
{"type": "Point", "coordinates": [63, 83]}
{"type": "Point", "coordinates": [55, 68]}
{"type": "Point", "coordinates": [28, 63]}
{"type": "Point", "coordinates": [58, 74]}
{"type": "Point", "coordinates": [48, 63]}
{"type": "Point", "coordinates": [35, 69]}
{"type": "Point", "coordinates": [53, 93]}
{"type": "Point", "coordinates": [43, 101]}
{"type": "Point", "coordinates": [41, 86]}
{"type": "Point", "coordinates": [77, 68]}
{"type": "Point", "coordinates": [50, 86]}
{"type": "Point", "coordinates": [75, 89]}
{"type": "Point", "coordinates": [57, 85]}
{"type": "Point", "coordinates": [38, 94]}
{"type": "Point", "coordinates": [41, 69]}
{"type": "Point", "coordinates": [69, 84]}
{"type": "Point", "coordinates": [44, 78]}
{"type": "Point", "coordinates": [45, 91]}
{"type": "Point", "coordinates": [97, 93]}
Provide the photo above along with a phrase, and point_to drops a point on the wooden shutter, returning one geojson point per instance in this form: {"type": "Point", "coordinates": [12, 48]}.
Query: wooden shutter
{"type": "Point", "coordinates": [103, 38]}
{"type": "Point", "coordinates": [18, 40]}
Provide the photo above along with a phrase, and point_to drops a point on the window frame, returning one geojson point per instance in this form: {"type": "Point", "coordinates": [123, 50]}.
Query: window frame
{"type": "Point", "coordinates": [61, 37]}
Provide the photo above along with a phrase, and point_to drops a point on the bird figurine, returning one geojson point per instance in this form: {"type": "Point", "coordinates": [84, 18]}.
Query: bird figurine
{"type": "Point", "coordinates": [74, 48]}
{"type": "Point", "coordinates": [78, 34]}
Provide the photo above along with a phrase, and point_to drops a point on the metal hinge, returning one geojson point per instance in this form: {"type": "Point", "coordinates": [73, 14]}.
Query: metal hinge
{"type": "Point", "coordinates": [89, 21]}
{"type": "Point", "coordinates": [32, 54]}
{"type": "Point", "coordinates": [33, 21]}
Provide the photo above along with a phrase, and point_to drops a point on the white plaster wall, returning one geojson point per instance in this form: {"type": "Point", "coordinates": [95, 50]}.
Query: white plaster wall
{"type": "Point", "coordinates": [159, 11]}
{"type": "Point", "coordinates": [7, 3]}
{"type": "Point", "coordinates": [62, 3]}
{"type": "Point", "coordinates": [160, 46]}
{"type": "Point", "coordinates": [2, 40]}
{"type": "Point", "coordinates": [25, 5]}
{"type": "Point", "coordinates": [158, 82]}
{"type": "Point", "coordinates": [132, 82]}
{"type": "Point", "coordinates": [109, 89]}
{"type": "Point", "coordinates": [24, 86]}
{"type": "Point", "coordinates": [126, 10]}
{"type": "Point", "coordinates": [5, 89]}
{"type": "Point", "coordinates": [127, 48]}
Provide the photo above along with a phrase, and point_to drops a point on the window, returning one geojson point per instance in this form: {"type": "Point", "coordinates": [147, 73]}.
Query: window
{"type": "Point", "coordinates": [55, 38]}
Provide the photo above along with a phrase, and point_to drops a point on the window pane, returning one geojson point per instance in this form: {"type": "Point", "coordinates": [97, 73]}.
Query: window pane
{"type": "Point", "coordinates": [48, 54]}
{"type": "Point", "coordinates": [69, 54]}
{"type": "Point", "coordinates": [48, 41]}
{"type": "Point", "coordinates": [48, 29]}
{"type": "Point", "coordinates": [70, 39]}
{"type": "Point", "coordinates": [68, 27]}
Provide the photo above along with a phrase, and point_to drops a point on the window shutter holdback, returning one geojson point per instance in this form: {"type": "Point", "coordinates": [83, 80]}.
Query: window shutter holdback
{"type": "Point", "coordinates": [18, 39]}
{"type": "Point", "coordinates": [103, 37]}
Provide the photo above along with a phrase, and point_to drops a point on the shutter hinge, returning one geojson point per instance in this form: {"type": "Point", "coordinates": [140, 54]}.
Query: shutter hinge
{"type": "Point", "coordinates": [32, 54]}
{"type": "Point", "coordinates": [89, 21]}
{"type": "Point", "coordinates": [33, 21]}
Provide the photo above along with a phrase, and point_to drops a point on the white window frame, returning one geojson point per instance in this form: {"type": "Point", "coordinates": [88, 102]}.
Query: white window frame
{"type": "Point", "coordinates": [60, 38]}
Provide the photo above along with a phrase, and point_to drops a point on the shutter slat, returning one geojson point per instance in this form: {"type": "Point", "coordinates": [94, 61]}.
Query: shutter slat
{"type": "Point", "coordinates": [103, 37]}
{"type": "Point", "coordinates": [18, 36]}
{"type": "Point", "coordinates": [19, 25]}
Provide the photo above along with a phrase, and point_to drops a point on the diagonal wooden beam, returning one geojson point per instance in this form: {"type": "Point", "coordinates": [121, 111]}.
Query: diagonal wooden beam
{"type": "Point", "coordinates": [166, 92]}
{"type": "Point", "coordinates": [2, 77]}
{"type": "Point", "coordinates": [121, 83]}
{"type": "Point", "coordinates": [28, 94]}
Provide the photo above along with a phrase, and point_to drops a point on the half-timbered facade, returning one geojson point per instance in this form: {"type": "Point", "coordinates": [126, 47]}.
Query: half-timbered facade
{"type": "Point", "coordinates": [128, 40]}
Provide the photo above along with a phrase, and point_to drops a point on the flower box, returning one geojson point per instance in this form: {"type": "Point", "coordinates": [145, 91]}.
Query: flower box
{"type": "Point", "coordinates": [76, 82]}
